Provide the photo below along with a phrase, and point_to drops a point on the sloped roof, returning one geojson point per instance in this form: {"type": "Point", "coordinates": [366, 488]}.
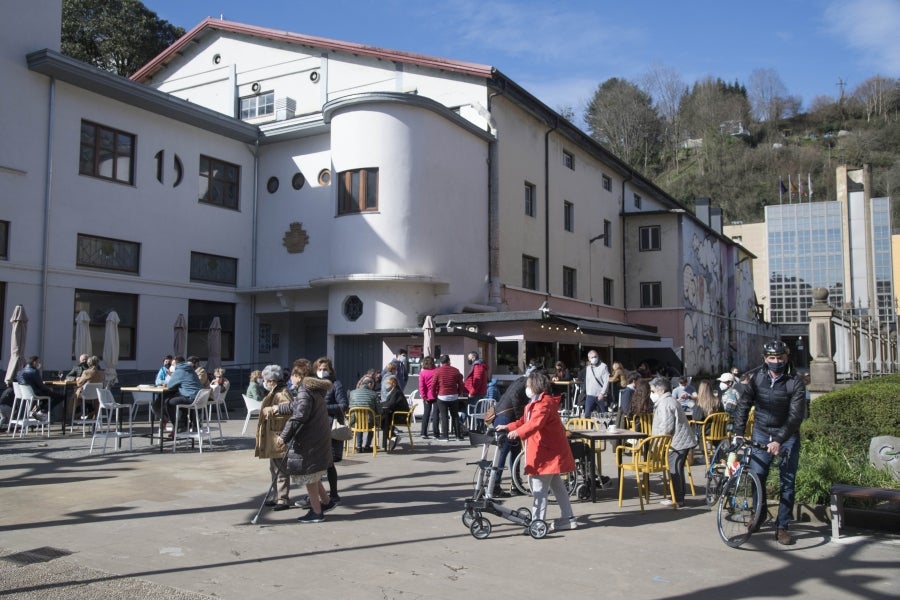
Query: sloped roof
{"type": "Point", "coordinates": [147, 72]}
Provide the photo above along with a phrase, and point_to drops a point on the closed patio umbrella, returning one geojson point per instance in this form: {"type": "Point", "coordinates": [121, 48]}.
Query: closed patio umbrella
{"type": "Point", "coordinates": [17, 338]}
{"type": "Point", "coordinates": [428, 334]}
{"type": "Point", "coordinates": [111, 348]}
{"type": "Point", "coordinates": [180, 346]}
{"type": "Point", "coordinates": [83, 334]}
{"type": "Point", "coordinates": [214, 360]}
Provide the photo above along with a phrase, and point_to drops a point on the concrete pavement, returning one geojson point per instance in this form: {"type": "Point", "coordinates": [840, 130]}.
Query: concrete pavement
{"type": "Point", "coordinates": [142, 524]}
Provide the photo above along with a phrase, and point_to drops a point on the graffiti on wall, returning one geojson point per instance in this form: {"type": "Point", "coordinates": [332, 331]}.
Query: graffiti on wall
{"type": "Point", "coordinates": [705, 335]}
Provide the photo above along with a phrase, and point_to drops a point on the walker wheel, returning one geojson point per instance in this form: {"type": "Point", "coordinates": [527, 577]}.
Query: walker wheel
{"type": "Point", "coordinates": [538, 529]}
{"type": "Point", "coordinates": [583, 491]}
{"type": "Point", "coordinates": [524, 514]}
{"type": "Point", "coordinates": [480, 528]}
{"type": "Point", "coordinates": [468, 517]}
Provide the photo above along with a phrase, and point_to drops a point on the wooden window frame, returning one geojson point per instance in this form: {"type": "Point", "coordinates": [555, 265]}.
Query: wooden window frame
{"type": "Point", "coordinates": [651, 294]}
{"type": "Point", "coordinates": [366, 199]}
{"type": "Point", "coordinates": [217, 176]}
{"type": "Point", "coordinates": [93, 149]}
{"type": "Point", "coordinates": [649, 238]}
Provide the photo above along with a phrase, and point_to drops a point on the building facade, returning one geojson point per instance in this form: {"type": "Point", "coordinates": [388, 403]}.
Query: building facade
{"type": "Point", "coordinates": [325, 197]}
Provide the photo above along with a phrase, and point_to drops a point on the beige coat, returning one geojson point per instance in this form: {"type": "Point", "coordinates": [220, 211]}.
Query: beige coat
{"type": "Point", "coordinates": [269, 427]}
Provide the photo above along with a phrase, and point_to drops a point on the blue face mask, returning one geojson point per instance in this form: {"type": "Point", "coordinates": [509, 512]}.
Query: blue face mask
{"type": "Point", "coordinates": [776, 367]}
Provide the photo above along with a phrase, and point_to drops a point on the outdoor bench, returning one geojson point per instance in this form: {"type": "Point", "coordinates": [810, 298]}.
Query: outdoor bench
{"type": "Point", "coordinates": [841, 491]}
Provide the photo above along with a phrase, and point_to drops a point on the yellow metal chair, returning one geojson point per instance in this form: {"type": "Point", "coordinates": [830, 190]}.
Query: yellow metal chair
{"type": "Point", "coordinates": [363, 420]}
{"type": "Point", "coordinates": [589, 424]}
{"type": "Point", "coordinates": [651, 455]}
{"type": "Point", "coordinates": [714, 429]}
{"type": "Point", "coordinates": [642, 422]}
{"type": "Point", "coordinates": [404, 418]}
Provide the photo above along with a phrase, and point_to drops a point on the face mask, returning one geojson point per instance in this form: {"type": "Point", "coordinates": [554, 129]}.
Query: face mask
{"type": "Point", "coordinates": [776, 367]}
{"type": "Point", "coordinates": [723, 386]}
{"type": "Point", "coordinates": [654, 397]}
{"type": "Point", "coordinates": [595, 361]}
{"type": "Point", "coordinates": [38, 366]}
{"type": "Point", "coordinates": [322, 374]}
{"type": "Point", "coordinates": [259, 380]}
{"type": "Point", "coordinates": [469, 360]}
{"type": "Point", "coordinates": [403, 359]}
{"type": "Point", "coordinates": [529, 392]}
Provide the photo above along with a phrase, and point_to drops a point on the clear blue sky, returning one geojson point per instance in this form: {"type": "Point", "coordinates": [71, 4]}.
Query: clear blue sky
{"type": "Point", "coordinates": [562, 50]}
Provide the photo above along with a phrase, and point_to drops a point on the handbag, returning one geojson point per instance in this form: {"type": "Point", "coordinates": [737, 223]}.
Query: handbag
{"type": "Point", "coordinates": [340, 431]}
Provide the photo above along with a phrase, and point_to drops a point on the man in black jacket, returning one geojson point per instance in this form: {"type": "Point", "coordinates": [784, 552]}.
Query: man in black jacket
{"type": "Point", "coordinates": [779, 396]}
{"type": "Point", "coordinates": [510, 408]}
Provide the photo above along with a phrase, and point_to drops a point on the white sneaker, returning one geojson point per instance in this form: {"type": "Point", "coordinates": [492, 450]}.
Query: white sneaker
{"type": "Point", "coordinates": [563, 524]}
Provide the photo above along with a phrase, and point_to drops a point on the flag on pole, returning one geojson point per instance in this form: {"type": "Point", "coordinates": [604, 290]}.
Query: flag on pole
{"type": "Point", "coordinates": [781, 189]}
{"type": "Point", "coordinates": [799, 189]}
{"type": "Point", "coordinates": [792, 189]}
{"type": "Point", "coordinates": [809, 185]}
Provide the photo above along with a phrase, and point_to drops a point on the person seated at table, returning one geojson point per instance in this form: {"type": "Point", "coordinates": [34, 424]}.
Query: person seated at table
{"type": "Point", "coordinates": [202, 375]}
{"type": "Point", "coordinates": [6, 402]}
{"type": "Point", "coordinates": [396, 402]}
{"type": "Point", "coordinates": [219, 383]}
{"type": "Point", "coordinates": [365, 396]}
{"type": "Point", "coordinates": [685, 393]}
{"type": "Point", "coordinates": [625, 398]}
{"type": "Point", "coordinates": [30, 375]}
{"type": "Point", "coordinates": [163, 372]}
{"type": "Point", "coordinates": [93, 374]}
{"type": "Point", "coordinates": [78, 369]}
{"type": "Point", "coordinates": [181, 388]}
{"type": "Point", "coordinates": [560, 372]}
{"type": "Point", "coordinates": [640, 403]}
{"type": "Point", "coordinates": [255, 390]}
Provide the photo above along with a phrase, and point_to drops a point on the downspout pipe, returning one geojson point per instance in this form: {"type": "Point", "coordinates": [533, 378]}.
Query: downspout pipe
{"type": "Point", "coordinates": [48, 194]}
{"type": "Point", "coordinates": [493, 211]}
{"type": "Point", "coordinates": [253, 250]}
{"type": "Point", "coordinates": [547, 205]}
{"type": "Point", "coordinates": [625, 180]}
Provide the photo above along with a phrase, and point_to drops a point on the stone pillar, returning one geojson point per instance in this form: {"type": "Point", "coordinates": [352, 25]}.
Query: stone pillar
{"type": "Point", "coordinates": [822, 370]}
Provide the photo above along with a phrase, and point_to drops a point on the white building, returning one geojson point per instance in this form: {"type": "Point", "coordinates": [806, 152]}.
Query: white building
{"type": "Point", "coordinates": [324, 197]}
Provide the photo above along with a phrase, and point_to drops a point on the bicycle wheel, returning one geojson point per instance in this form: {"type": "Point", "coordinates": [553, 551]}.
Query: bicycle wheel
{"type": "Point", "coordinates": [715, 474]}
{"type": "Point", "coordinates": [739, 507]}
{"type": "Point", "coordinates": [518, 476]}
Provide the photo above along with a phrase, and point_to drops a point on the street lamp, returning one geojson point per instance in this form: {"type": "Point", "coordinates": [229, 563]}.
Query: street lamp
{"type": "Point", "coordinates": [591, 262]}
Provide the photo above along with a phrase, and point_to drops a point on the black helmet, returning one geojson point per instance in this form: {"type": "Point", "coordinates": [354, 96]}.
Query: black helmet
{"type": "Point", "coordinates": [775, 348]}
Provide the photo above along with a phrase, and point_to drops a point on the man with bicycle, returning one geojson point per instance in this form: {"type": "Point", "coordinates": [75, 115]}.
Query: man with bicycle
{"type": "Point", "coordinates": [779, 396]}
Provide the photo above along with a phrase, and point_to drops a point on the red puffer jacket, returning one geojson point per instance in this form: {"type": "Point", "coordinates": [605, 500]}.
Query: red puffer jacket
{"type": "Point", "coordinates": [547, 450]}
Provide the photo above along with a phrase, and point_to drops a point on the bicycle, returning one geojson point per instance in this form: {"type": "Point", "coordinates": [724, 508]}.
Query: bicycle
{"type": "Point", "coordinates": [742, 497]}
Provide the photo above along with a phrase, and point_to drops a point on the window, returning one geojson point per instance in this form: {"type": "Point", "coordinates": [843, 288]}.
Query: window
{"type": "Point", "coordinates": [569, 282]}
{"type": "Point", "coordinates": [607, 183]}
{"type": "Point", "coordinates": [357, 191]}
{"type": "Point", "coordinates": [353, 308]}
{"type": "Point", "coordinates": [607, 233]}
{"type": "Point", "coordinates": [649, 238]}
{"type": "Point", "coordinates": [529, 272]}
{"type": "Point", "coordinates": [651, 294]}
{"type": "Point", "coordinates": [98, 305]}
{"type": "Point", "coordinates": [219, 182]}
{"type": "Point", "coordinates": [210, 268]}
{"type": "Point", "coordinates": [568, 216]}
{"type": "Point", "coordinates": [607, 291]}
{"type": "Point", "coordinates": [530, 208]}
{"type": "Point", "coordinates": [106, 153]}
{"type": "Point", "coordinates": [200, 316]}
{"type": "Point", "coordinates": [258, 106]}
{"type": "Point", "coordinates": [637, 200]}
{"type": "Point", "coordinates": [107, 254]}
{"type": "Point", "coordinates": [4, 240]}
{"type": "Point", "coordinates": [568, 160]}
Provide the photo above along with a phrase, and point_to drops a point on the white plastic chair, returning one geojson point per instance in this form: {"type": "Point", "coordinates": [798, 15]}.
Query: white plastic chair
{"type": "Point", "coordinates": [88, 392]}
{"type": "Point", "coordinates": [476, 415]}
{"type": "Point", "coordinates": [139, 399]}
{"type": "Point", "coordinates": [216, 400]}
{"type": "Point", "coordinates": [253, 408]}
{"type": "Point", "coordinates": [416, 405]}
{"type": "Point", "coordinates": [23, 420]}
{"type": "Point", "coordinates": [108, 423]}
{"type": "Point", "coordinates": [201, 430]}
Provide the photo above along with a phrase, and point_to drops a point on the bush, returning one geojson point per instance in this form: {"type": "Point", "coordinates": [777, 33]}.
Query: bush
{"type": "Point", "coordinates": [835, 439]}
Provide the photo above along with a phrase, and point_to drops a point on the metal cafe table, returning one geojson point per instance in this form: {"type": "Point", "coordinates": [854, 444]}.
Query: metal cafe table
{"type": "Point", "coordinates": [592, 436]}
{"type": "Point", "coordinates": [153, 389]}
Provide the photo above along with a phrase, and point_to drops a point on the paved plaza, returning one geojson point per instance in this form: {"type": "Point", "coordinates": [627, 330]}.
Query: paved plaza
{"type": "Point", "coordinates": [142, 524]}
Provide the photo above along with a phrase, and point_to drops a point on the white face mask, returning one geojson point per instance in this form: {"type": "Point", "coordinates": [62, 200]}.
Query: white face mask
{"type": "Point", "coordinates": [654, 397]}
{"type": "Point", "coordinates": [595, 361]}
{"type": "Point", "coordinates": [529, 392]}
{"type": "Point", "coordinates": [723, 386]}
{"type": "Point", "coordinates": [322, 374]}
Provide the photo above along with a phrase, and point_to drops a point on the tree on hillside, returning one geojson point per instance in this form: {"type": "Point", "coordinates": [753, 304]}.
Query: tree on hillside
{"type": "Point", "coordinates": [668, 89]}
{"type": "Point", "coordinates": [769, 97]}
{"type": "Point", "coordinates": [880, 96]}
{"type": "Point", "coordinates": [621, 117]}
{"type": "Point", "coordinates": [115, 35]}
{"type": "Point", "coordinates": [711, 104]}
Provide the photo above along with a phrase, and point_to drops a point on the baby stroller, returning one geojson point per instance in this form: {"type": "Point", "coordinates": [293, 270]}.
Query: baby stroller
{"type": "Point", "coordinates": [482, 502]}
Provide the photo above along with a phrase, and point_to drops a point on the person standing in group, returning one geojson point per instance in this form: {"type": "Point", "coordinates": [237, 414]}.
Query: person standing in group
{"type": "Point", "coordinates": [402, 363]}
{"type": "Point", "coordinates": [163, 372]}
{"type": "Point", "coordinates": [475, 383]}
{"type": "Point", "coordinates": [448, 385]}
{"type": "Point", "coordinates": [547, 451]}
{"type": "Point", "coordinates": [669, 419]}
{"type": "Point", "coordinates": [728, 394]}
{"type": "Point", "coordinates": [779, 395]}
{"type": "Point", "coordinates": [596, 385]}
{"type": "Point", "coordinates": [307, 435]}
{"type": "Point", "coordinates": [618, 379]}
{"type": "Point", "coordinates": [270, 425]}
{"type": "Point", "coordinates": [509, 408]}
{"type": "Point", "coordinates": [337, 404]}
{"type": "Point", "coordinates": [365, 396]}
{"type": "Point", "coordinates": [426, 391]}
{"type": "Point", "coordinates": [625, 396]}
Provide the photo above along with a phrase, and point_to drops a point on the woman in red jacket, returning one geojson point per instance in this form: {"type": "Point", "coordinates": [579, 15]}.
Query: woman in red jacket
{"type": "Point", "coordinates": [547, 451]}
